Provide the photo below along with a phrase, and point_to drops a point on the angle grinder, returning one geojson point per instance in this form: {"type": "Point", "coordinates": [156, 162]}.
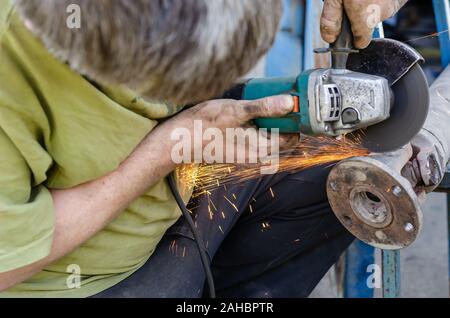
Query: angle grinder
{"type": "Point", "coordinates": [380, 92]}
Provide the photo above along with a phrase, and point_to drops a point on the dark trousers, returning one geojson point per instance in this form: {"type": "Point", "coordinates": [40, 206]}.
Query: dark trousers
{"type": "Point", "coordinates": [271, 237]}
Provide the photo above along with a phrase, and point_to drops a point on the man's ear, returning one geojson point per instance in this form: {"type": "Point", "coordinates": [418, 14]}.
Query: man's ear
{"type": "Point", "coordinates": [180, 51]}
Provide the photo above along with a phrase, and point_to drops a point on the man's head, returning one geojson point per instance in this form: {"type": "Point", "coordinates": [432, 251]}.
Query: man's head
{"type": "Point", "coordinates": [175, 50]}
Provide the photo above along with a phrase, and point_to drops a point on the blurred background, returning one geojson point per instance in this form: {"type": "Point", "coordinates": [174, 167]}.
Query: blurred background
{"type": "Point", "coordinates": [415, 24]}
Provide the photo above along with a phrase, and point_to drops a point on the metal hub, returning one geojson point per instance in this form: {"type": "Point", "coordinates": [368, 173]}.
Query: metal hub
{"type": "Point", "coordinates": [371, 207]}
{"type": "Point", "coordinates": [375, 203]}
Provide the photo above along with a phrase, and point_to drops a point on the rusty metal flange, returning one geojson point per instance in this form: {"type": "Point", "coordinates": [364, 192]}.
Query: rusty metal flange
{"type": "Point", "coordinates": [375, 203]}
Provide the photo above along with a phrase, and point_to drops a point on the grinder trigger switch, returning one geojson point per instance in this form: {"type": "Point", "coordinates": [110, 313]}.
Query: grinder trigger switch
{"type": "Point", "coordinates": [296, 104]}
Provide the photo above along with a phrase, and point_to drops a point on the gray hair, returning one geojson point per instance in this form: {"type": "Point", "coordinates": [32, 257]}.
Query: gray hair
{"type": "Point", "coordinates": [177, 51]}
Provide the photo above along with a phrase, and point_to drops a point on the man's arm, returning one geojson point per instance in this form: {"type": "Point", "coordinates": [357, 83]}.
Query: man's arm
{"type": "Point", "coordinates": [83, 211]}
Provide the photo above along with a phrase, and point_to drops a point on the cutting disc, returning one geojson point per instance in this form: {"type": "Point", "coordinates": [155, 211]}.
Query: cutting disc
{"type": "Point", "coordinates": [408, 114]}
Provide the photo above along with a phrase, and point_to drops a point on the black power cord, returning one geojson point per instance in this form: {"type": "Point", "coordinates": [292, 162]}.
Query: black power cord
{"type": "Point", "coordinates": [200, 244]}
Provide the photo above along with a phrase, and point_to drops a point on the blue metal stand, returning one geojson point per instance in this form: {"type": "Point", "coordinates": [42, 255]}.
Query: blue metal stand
{"type": "Point", "coordinates": [442, 13]}
{"type": "Point", "coordinates": [358, 259]}
{"type": "Point", "coordinates": [391, 274]}
{"type": "Point", "coordinates": [286, 56]}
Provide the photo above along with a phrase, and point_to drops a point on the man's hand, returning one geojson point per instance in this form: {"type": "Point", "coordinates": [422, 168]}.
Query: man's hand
{"type": "Point", "coordinates": [233, 114]}
{"type": "Point", "coordinates": [364, 16]}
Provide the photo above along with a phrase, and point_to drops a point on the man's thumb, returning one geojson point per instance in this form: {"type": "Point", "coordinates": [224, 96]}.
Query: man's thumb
{"type": "Point", "coordinates": [274, 106]}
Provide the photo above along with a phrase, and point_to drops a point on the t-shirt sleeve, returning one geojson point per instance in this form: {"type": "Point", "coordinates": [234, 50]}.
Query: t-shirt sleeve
{"type": "Point", "coordinates": [26, 211]}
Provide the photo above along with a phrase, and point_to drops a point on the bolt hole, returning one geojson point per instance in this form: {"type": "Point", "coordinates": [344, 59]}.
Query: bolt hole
{"type": "Point", "coordinates": [347, 220]}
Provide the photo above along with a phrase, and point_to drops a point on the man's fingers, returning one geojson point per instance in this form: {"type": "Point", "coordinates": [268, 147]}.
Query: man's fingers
{"type": "Point", "coordinates": [364, 18]}
{"type": "Point", "coordinates": [331, 20]}
{"type": "Point", "coordinates": [362, 38]}
{"type": "Point", "coordinates": [274, 106]}
{"type": "Point", "coordinates": [362, 22]}
{"type": "Point", "coordinates": [362, 29]}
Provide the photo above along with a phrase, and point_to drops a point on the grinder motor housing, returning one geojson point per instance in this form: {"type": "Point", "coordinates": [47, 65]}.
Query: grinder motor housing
{"type": "Point", "coordinates": [330, 102]}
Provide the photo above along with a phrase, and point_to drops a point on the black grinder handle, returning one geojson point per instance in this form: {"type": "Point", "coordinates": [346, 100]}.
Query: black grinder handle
{"type": "Point", "coordinates": [343, 45]}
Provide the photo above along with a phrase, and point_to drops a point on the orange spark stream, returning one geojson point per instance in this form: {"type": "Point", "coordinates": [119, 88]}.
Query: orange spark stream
{"type": "Point", "coordinates": [310, 152]}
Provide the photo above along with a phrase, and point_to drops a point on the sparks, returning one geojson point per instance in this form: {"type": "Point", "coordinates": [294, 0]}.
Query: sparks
{"type": "Point", "coordinates": [212, 203]}
{"type": "Point", "coordinates": [232, 204]}
{"type": "Point", "coordinates": [211, 215]}
{"type": "Point", "coordinates": [432, 35]}
{"type": "Point", "coordinates": [311, 152]}
{"type": "Point", "coordinates": [265, 226]}
{"type": "Point", "coordinates": [172, 245]}
{"type": "Point", "coordinates": [272, 193]}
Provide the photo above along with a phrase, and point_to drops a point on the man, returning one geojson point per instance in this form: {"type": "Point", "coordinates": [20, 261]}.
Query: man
{"type": "Point", "coordinates": [85, 209]}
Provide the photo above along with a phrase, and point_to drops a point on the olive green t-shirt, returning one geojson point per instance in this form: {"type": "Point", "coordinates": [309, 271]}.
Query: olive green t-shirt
{"type": "Point", "coordinates": [58, 130]}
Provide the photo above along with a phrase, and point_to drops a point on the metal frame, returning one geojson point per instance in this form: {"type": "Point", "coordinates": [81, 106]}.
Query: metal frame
{"type": "Point", "coordinates": [358, 259]}
{"type": "Point", "coordinates": [391, 274]}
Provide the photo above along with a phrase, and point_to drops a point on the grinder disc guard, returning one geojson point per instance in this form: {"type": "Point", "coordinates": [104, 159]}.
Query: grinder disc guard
{"type": "Point", "coordinates": [399, 64]}
{"type": "Point", "coordinates": [407, 117]}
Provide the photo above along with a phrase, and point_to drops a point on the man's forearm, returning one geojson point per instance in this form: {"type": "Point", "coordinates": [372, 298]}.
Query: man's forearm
{"type": "Point", "coordinates": [83, 211]}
